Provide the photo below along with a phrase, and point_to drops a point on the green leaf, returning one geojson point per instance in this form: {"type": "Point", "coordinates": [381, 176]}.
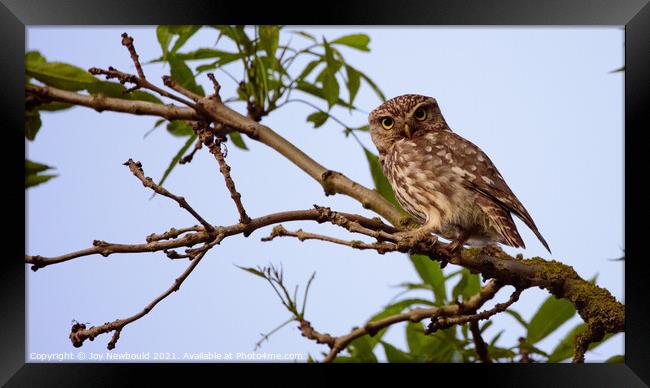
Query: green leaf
{"type": "Point", "coordinates": [343, 360]}
{"type": "Point", "coordinates": [237, 140]}
{"type": "Point", "coordinates": [395, 355]}
{"type": "Point", "coordinates": [431, 273]}
{"type": "Point", "coordinates": [330, 89]}
{"type": "Point", "coordinates": [357, 41]}
{"type": "Point", "coordinates": [32, 123]}
{"type": "Point", "coordinates": [496, 338]}
{"type": "Point", "coordinates": [617, 359]}
{"type": "Point", "coordinates": [565, 348]}
{"type": "Point", "coordinates": [34, 57]}
{"type": "Point", "coordinates": [496, 352]}
{"type": "Point", "coordinates": [263, 73]}
{"type": "Point", "coordinates": [164, 38]}
{"type": "Point", "coordinates": [54, 106]}
{"type": "Point", "coordinates": [318, 92]}
{"type": "Point", "coordinates": [238, 35]}
{"type": "Point", "coordinates": [331, 62]}
{"type": "Point", "coordinates": [381, 183]}
{"type": "Point", "coordinates": [619, 70]}
{"type": "Point", "coordinates": [156, 125]}
{"type": "Point", "coordinates": [416, 286]}
{"type": "Point", "coordinates": [32, 171]}
{"type": "Point", "coordinates": [330, 84]}
{"type": "Point", "coordinates": [182, 74]}
{"type": "Point", "coordinates": [392, 309]}
{"type": "Point", "coordinates": [252, 270]}
{"type": "Point", "coordinates": [552, 313]}
{"type": "Point", "coordinates": [328, 70]}
{"type": "Point", "coordinates": [35, 180]}
{"type": "Point", "coordinates": [485, 326]}
{"type": "Point", "coordinates": [60, 75]}
{"type": "Point", "coordinates": [225, 57]}
{"type": "Point", "coordinates": [176, 158]}
{"type": "Point", "coordinates": [353, 82]}
{"type": "Point", "coordinates": [438, 347]}
{"type": "Point", "coordinates": [308, 69]}
{"type": "Point", "coordinates": [184, 33]}
{"type": "Point", "coordinates": [534, 350]}
{"type": "Point", "coordinates": [361, 351]}
{"type": "Point", "coordinates": [179, 128]}
{"type": "Point", "coordinates": [468, 285]}
{"type": "Point", "coordinates": [269, 39]}
{"type": "Point", "coordinates": [363, 128]}
{"type": "Point", "coordinates": [518, 317]}
{"type": "Point", "coordinates": [34, 167]}
{"type": "Point", "coordinates": [374, 86]}
{"type": "Point", "coordinates": [318, 118]}
{"type": "Point", "coordinates": [305, 34]}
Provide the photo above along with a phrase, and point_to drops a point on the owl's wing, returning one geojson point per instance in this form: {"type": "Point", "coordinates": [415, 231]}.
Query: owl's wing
{"type": "Point", "coordinates": [481, 175]}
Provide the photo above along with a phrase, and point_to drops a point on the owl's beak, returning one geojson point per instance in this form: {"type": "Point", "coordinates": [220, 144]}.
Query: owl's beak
{"type": "Point", "coordinates": [407, 130]}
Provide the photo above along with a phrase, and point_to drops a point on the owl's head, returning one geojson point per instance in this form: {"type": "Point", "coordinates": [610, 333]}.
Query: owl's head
{"type": "Point", "coordinates": [405, 116]}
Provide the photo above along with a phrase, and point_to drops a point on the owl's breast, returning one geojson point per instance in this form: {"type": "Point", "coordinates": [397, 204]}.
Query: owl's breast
{"type": "Point", "coordinates": [426, 186]}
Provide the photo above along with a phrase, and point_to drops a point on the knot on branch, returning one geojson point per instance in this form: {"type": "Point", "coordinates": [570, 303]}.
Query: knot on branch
{"type": "Point", "coordinates": [77, 340]}
{"type": "Point", "coordinates": [277, 231]}
{"type": "Point", "coordinates": [308, 331]}
{"type": "Point", "coordinates": [329, 187]}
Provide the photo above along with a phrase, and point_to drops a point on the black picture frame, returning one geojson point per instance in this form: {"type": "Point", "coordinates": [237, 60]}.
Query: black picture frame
{"type": "Point", "coordinates": [15, 15]}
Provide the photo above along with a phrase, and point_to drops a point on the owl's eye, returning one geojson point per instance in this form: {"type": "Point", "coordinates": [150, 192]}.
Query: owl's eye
{"type": "Point", "coordinates": [420, 114]}
{"type": "Point", "coordinates": [387, 123]}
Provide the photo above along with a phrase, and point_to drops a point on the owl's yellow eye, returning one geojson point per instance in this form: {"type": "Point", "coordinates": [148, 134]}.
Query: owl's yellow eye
{"type": "Point", "coordinates": [387, 123]}
{"type": "Point", "coordinates": [421, 114]}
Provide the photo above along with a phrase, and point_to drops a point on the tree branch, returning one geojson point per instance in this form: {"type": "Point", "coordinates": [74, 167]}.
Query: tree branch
{"type": "Point", "coordinates": [102, 103]}
{"type": "Point", "coordinates": [447, 322]}
{"type": "Point", "coordinates": [214, 145]}
{"type": "Point", "coordinates": [486, 293]}
{"type": "Point", "coordinates": [280, 231]}
{"type": "Point", "coordinates": [79, 333]}
{"type": "Point", "coordinates": [170, 240]}
{"type": "Point", "coordinates": [211, 109]}
{"type": "Point", "coordinates": [479, 344]}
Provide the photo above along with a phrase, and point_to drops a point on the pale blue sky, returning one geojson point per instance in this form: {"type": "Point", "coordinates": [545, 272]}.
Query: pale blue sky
{"type": "Point", "coordinates": [539, 101]}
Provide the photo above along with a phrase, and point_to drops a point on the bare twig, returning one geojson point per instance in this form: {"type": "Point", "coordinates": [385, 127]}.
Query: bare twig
{"type": "Point", "coordinates": [446, 322]}
{"type": "Point", "coordinates": [523, 350]}
{"type": "Point", "coordinates": [479, 344]}
{"type": "Point", "coordinates": [215, 149]}
{"type": "Point", "coordinates": [217, 86]}
{"type": "Point", "coordinates": [170, 83]}
{"type": "Point", "coordinates": [188, 158]}
{"type": "Point", "coordinates": [280, 231]}
{"type": "Point", "coordinates": [136, 169]}
{"type": "Point", "coordinates": [79, 333]}
{"type": "Point", "coordinates": [127, 41]}
{"type": "Point", "coordinates": [138, 82]}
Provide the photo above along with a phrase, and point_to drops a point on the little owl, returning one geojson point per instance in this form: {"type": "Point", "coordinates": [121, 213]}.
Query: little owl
{"type": "Point", "coordinates": [444, 181]}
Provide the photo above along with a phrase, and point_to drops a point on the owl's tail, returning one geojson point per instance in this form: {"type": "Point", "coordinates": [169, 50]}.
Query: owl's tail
{"type": "Point", "coordinates": [526, 218]}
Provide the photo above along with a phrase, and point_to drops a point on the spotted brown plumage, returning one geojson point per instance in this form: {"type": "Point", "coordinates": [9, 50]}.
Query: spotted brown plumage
{"type": "Point", "coordinates": [443, 180]}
